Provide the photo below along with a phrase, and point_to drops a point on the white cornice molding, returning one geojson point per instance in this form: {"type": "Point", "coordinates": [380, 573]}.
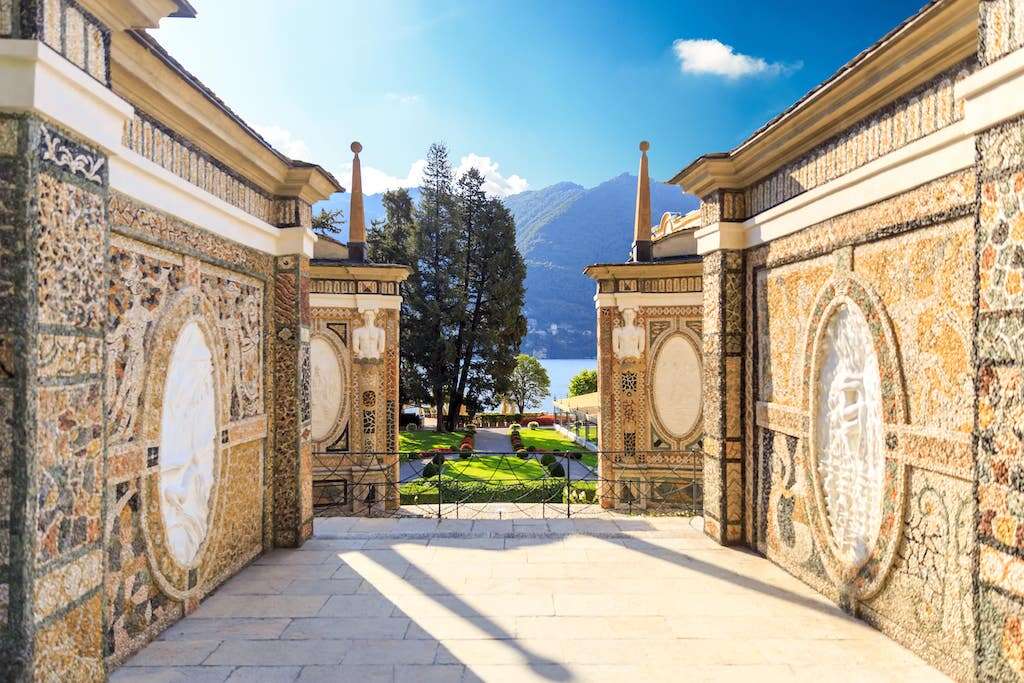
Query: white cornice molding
{"type": "Point", "coordinates": [34, 78]}
{"type": "Point", "coordinates": [720, 235]}
{"type": "Point", "coordinates": [648, 299]}
{"type": "Point", "coordinates": [994, 94]}
{"type": "Point", "coordinates": [360, 302]}
{"type": "Point", "coordinates": [143, 180]}
{"type": "Point", "coordinates": [944, 152]}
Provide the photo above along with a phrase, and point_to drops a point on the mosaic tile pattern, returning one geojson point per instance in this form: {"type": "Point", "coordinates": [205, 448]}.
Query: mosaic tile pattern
{"type": "Point", "coordinates": [999, 372]}
{"type": "Point", "coordinates": [177, 154]}
{"type": "Point", "coordinates": [1001, 29]}
{"type": "Point", "coordinates": [66, 27]}
{"type": "Point", "coordinates": [927, 109]}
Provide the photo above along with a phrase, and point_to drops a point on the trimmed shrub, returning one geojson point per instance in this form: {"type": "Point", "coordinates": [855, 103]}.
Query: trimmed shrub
{"type": "Point", "coordinates": [523, 455]}
{"type": "Point", "coordinates": [412, 427]}
{"type": "Point", "coordinates": [430, 471]}
{"type": "Point", "coordinates": [555, 469]}
{"type": "Point", "coordinates": [465, 452]}
{"type": "Point", "coordinates": [516, 426]}
{"type": "Point", "coordinates": [533, 425]}
{"type": "Point", "coordinates": [576, 456]}
{"type": "Point", "coordinates": [531, 449]}
{"type": "Point", "coordinates": [438, 459]}
{"type": "Point", "coordinates": [547, 459]}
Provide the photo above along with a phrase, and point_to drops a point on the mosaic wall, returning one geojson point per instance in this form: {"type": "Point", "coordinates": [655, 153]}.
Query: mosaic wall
{"type": "Point", "coordinates": [635, 441]}
{"type": "Point", "coordinates": [1001, 29]}
{"type": "Point", "coordinates": [63, 25]}
{"type": "Point", "coordinates": [162, 275]}
{"type": "Point", "coordinates": [908, 263]}
{"type": "Point", "coordinates": [1000, 378]}
{"type": "Point", "coordinates": [723, 328]}
{"type": "Point", "coordinates": [175, 153]}
{"type": "Point", "coordinates": [361, 449]}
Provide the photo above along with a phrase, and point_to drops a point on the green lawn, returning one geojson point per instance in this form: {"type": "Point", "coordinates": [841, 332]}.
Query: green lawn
{"type": "Point", "coordinates": [549, 440]}
{"type": "Point", "coordinates": [494, 468]}
{"type": "Point", "coordinates": [546, 440]}
{"type": "Point", "coordinates": [425, 440]}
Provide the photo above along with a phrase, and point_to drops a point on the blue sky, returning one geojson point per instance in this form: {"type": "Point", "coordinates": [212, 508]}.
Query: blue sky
{"type": "Point", "coordinates": [533, 92]}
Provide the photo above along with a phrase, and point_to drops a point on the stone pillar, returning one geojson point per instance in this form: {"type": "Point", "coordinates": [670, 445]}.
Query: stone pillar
{"type": "Point", "coordinates": [53, 303]}
{"type": "Point", "coordinates": [999, 358]}
{"type": "Point", "coordinates": [292, 516]}
{"type": "Point", "coordinates": [723, 375]}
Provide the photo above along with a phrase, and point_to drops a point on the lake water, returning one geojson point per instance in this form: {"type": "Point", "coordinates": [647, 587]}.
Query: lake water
{"type": "Point", "coordinates": [560, 371]}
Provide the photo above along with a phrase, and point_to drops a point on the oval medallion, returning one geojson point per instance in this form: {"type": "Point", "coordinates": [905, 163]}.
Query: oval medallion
{"type": "Point", "coordinates": [326, 388]}
{"type": "Point", "coordinates": [188, 433]}
{"type": "Point", "coordinates": [849, 434]}
{"type": "Point", "coordinates": [677, 386]}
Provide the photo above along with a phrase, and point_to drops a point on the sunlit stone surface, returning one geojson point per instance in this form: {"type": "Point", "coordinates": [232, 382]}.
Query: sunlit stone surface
{"type": "Point", "coordinates": [187, 440]}
{"type": "Point", "coordinates": [326, 388]}
{"type": "Point", "coordinates": [851, 460]}
{"type": "Point", "coordinates": [677, 386]}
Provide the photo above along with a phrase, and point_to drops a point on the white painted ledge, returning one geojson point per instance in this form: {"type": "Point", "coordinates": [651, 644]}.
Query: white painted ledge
{"type": "Point", "coordinates": [937, 155]}
{"type": "Point", "coordinates": [641, 299]}
{"type": "Point", "coordinates": [993, 94]}
{"type": "Point", "coordinates": [360, 302]}
{"type": "Point", "coordinates": [34, 78]}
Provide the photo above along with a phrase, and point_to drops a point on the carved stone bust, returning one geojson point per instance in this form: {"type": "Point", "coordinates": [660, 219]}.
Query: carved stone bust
{"type": "Point", "coordinates": [628, 338]}
{"type": "Point", "coordinates": [368, 340]}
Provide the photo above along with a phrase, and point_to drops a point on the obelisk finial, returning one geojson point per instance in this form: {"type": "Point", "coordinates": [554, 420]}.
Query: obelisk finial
{"type": "Point", "coordinates": [356, 215]}
{"type": "Point", "coordinates": [642, 220]}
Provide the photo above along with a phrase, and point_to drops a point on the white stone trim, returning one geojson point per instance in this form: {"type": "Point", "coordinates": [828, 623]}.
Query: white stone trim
{"type": "Point", "coordinates": [944, 152]}
{"type": "Point", "coordinates": [993, 94]}
{"type": "Point", "coordinates": [649, 299]}
{"type": "Point", "coordinates": [34, 78]}
{"type": "Point", "coordinates": [141, 179]}
{"type": "Point", "coordinates": [357, 302]}
{"type": "Point", "coordinates": [720, 235]}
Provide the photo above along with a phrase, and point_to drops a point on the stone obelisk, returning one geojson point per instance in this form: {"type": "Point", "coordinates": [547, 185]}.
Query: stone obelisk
{"type": "Point", "coordinates": [642, 220]}
{"type": "Point", "coordinates": [356, 216]}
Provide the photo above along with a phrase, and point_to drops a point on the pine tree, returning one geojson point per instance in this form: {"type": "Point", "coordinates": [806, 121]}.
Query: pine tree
{"type": "Point", "coordinates": [432, 295]}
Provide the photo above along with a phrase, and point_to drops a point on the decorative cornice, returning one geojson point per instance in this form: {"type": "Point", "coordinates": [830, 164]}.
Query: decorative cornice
{"type": "Point", "coordinates": [939, 37]}
{"type": "Point", "coordinates": [636, 271]}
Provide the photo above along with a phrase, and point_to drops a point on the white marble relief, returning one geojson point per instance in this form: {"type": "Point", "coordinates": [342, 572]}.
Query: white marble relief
{"type": "Point", "coordinates": [677, 386]}
{"type": "Point", "coordinates": [368, 340]}
{"type": "Point", "coordinates": [628, 339]}
{"type": "Point", "coordinates": [328, 388]}
{"type": "Point", "coordinates": [188, 433]}
{"type": "Point", "coordinates": [849, 434]}
{"type": "Point", "coordinates": [240, 325]}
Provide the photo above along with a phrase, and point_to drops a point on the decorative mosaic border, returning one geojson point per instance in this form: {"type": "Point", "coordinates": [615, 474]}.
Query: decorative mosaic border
{"type": "Point", "coordinates": [176, 153]}
{"type": "Point", "coordinates": [65, 26]}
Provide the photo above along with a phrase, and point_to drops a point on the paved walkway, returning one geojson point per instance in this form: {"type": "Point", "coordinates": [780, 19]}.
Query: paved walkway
{"type": "Point", "coordinates": [617, 599]}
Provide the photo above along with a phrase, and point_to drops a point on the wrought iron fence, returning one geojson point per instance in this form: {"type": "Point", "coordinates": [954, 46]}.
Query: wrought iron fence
{"type": "Point", "coordinates": [533, 484]}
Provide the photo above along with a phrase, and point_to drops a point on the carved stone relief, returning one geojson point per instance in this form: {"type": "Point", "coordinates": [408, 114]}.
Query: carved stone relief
{"type": "Point", "coordinates": [239, 317]}
{"type": "Point", "coordinates": [850, 434]}
{"type": "Point", "coordinates": [676, 388]}
{"type": "Point", "coordinates": [187, 444]}
{"type": "Point", "coordinates": [628, 339]}
{"type": "Point", "coordinates": [368, 340]}
{"type": "Point", "coordinates": [328, 388]}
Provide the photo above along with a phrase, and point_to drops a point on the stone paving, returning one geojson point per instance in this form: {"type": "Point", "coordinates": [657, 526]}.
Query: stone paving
{"type": "Point", "coordinates": [611, 599]}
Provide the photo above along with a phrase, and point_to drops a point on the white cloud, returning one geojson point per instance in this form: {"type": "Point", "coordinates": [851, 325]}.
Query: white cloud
{"type": "Point", "coordinates": [710, 56]}
{"type": "Point", "coordinates": [283, 141]}
{"type": "Point", "coordinates": [495, 184]}
{"type": "Point", "coordinates": [401, 98]}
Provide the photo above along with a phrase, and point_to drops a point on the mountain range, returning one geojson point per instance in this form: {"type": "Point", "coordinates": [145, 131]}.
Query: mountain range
{"type": "Point", "coordinates": [560, 229]}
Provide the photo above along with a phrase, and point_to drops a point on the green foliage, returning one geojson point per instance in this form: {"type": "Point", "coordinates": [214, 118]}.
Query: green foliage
{"type": "Point", "coordinates": [583, 382]}
{"type": "Point", "coordinates": [329, 223]}
{"type": "Point", "coordinates": [462, 310]}
{"type": "Point", "coordinates": [533, 425]}
{"type": "Point", "coordinates": [555, 469]}
{"type": "Point", "coordinates": [426, 440]}
{"type": "Point", "coordinates": [529, 383]}
{"type": "Point", "coordinates": [547, 459]}
{"type": "Point", "coordinates": [430, 471]}
{"type": "Point", "coordinates": [546, 439]}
